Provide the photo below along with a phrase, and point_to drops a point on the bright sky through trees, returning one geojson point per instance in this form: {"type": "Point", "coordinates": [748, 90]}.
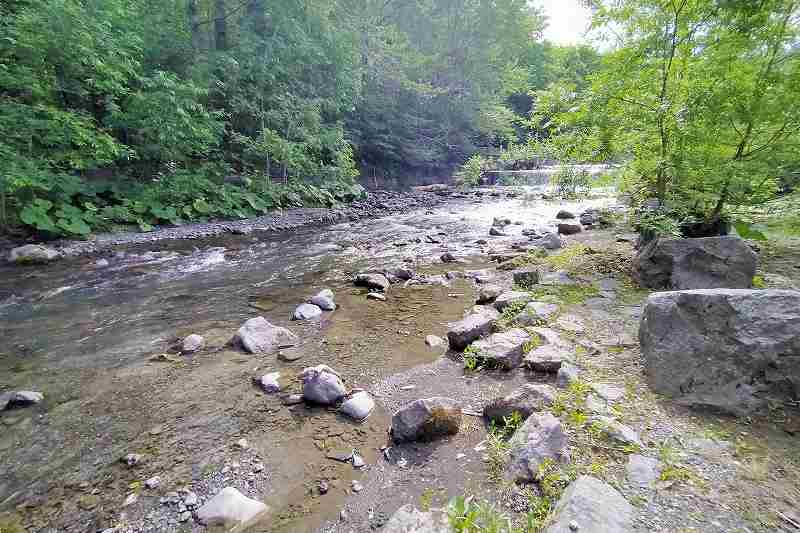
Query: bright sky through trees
{"type": "Point", "coordinates": [567, 20]}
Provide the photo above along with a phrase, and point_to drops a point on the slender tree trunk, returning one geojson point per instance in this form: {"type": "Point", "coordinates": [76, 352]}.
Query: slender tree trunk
{"type": "Point", "coordinates": [193, 15]}
{"type": "Point", "coordinates": [220, 26]}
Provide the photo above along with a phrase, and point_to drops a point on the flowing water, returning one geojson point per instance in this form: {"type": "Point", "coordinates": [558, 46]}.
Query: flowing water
{"type": "Point", "coordinates": [89, 335]}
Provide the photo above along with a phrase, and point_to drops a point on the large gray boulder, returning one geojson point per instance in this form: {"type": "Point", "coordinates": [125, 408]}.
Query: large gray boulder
{"type": "Point", "coordinates": [541, 437]}
{"type": "Point", "coordinates": [33, 254]}
{"type": "Point", "coordinates": [705, 263]}
{"type": "Point", "coordinates": [407, 519]}
{"type": "Point", "coordinates": [322, 385]}
{"type": "Point", "coordinates": [526, 400]}
{"type": "Point", "coordinates": [594, 507]}
{"type": "Point", "coordinates": [536, 313]}
{"type": "Point", "coordinates": [259, 336]}
{"type": "Point", "coordinates": [229, 508]}
{"type": "Point", "coordinates": [470, 329]}
{"type": "Point", "coordinates": [306, 312]}
{"type": "Point", "coordinates": [569, 228]}
{"type": "Point", "coordinates": [547, 358]}
{"type": "Point", "coordinates": [372, 280]}
{"type": "Point", "coordinates": [548, 241]}
{"type": "Point", "coordinates": [504, 349]}
{"type": "Point", "coordinates": [426, 419]}
{"type": "Point", "coordinates": [721, 348]}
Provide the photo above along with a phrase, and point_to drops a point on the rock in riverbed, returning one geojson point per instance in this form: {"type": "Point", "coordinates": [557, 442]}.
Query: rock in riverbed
{"type": "Point", "coordinates": [546, 358]}
{"type": "Point", "coordinates": [372, 280]}
{"type": "Point", "coordinates": [473, 327]}
{"type": "Point", "coordinates": [269, 382]}
{"type": "Point", "coordinates": [21, 398]}
{"type": "Point", "coordinates": [592, 506]}
{"type": "Point", "coordinates": [306, 312]}
{"type": "Point", "coordinates": [511, 297]}
{"type": "Point", "coordinates": [526, 400]}
{"type": "Point", "coordinates": [569, 228]}
{"type": "Point", "coordinates": [705, 263]}
{"type": "Point", "coordinates": [502, 350]}
{"type": "Point", "coordinates": [33, 254]}
{"type": "Point", "coordinates": [488, 293]}
{"type": "Point", "coordinates": [426, 419]}
{"type": "Point", "coordinates": [642, 471]}
{"type": "Point", "coordinates": [193, 343]}
{"type": "Point", "coordinates": [324, 300]}
{"type": "Point", "coordinates": [433, 341]}
{"type": "Point", "coordinates": [322, 385]}
{"type": "Point", "coordinates": [526, 277]}
{"type": "Point", "coordinates": [565, 215]}
{"type": "Point", "coordinates": [260, 337]}
{"type": "Point", "coordinates": [407, 519]}
{"type": "Point", "coordinates": [536, 313]}
{"type": "Point", "coordinates": [548, 241]}
{"type": "Point", "coordinates": [719, 347]}
{"type": "Point", "coordinates": [229, 508]}
{"type": "Point", "coordinates": [540, 437]}
{"type": "Point", "coordinates": [358, 406]}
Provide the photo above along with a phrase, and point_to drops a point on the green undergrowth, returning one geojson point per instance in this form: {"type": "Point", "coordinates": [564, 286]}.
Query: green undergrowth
{"type": "Point", "coordinates": [565, 294]}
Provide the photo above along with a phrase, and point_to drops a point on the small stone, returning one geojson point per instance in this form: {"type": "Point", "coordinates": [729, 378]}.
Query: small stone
{"type": "Point", "coordinates": [564, 215]}
{"type": "Point", "coordinates": [184, 516]}
{"type": "Point", "coordinates": [132, 459]}
{"type": "Point", "coordinates": [131, 499]}
{"type": "Point", "coordinates": [616, 431]}
{"type": "Point", "coordinates": [358, 461]}
{"type": "Point", "coordinates": [306, 312]}
{"type": "Point", "coordinates": [229, 506]}
{"type": "Point", "coordinates": [573, 526]}
{"type": "Point", "coordinates": [290, 354]}
{"type": "Point", "coordinates": [193, 343]}
{"type": "Point", "coordinates": [448, 257]}
{"type": "Point", "coordinates": [269, 382]}
{"type": "Point", "coordinates": [260, 337]}
{"type": "Point", "coordinates": [376, 296]}
{"type": "Point", "coordinates": [358, 406]}
{"type": "Point", "coordinates": [242, 444]}
{"type": "Point", "coordinates": [356, 486]}
{"type": "Point", "coordinates": [373, 281]}
{"type": "Point", "coordinates": [258, 467]}
{"type": "Point", "coordinates": [190, 500]}
{"type": "Point", "coordinates": [323, 487]}
{"type": "Point", "coordinates": [488, 293]}
{"type": "Point", "coordinates": [101, 263]}
{"type": "Point", "coordinates": [153, 482]}
{"type": "Point", "coordinates": [293, 399]}
{"type": "Point", "coordinates": [433, 341]}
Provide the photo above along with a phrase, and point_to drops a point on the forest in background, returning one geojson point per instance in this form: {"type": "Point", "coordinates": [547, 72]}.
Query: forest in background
{"type": "Point", "coordinates": [120, 112]}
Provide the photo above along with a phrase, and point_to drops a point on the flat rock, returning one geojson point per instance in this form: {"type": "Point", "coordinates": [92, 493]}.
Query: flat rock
{"type": "Point", "coordinates": [571, 323]}
{"type": "Point", "coordinates": [372, 280]}
{"type": "Point", "coordinates": [616, 431]}
{"type": "Point", "coordinates": [723, 348]}
{"type": "Point", "coordinates": [407, 519]}
{"type": "Point", "coordinates": [290, 354]}
{"type": "Point", "coordinates": [536, 313]}
{"type": "Point", "coordinates": [495, 232]}
{"type": "Point", "coordinates": [509, 298]}
{"type": "Point", "coordinates": [376, 296]}
{"type": "Point", "coordinates": [503, 350]}
{"type": "Point", "coordinates": [306, 312]}
{"type": "Point", "coordinates": [193, 343]}
{"type": "Point", "coordinates": [642, 471]}
{"type": "Point", "coordinates": [565, 215]}
{"type": "Point", "coordinates": [33, 254]}
{"type": "Point", "coordinates": [322, 385]}
{"type": "Point", "coordinates": [426, 419]}
{"type": "Point", "coordinates": [569, 228]}
{"type": "Point", "coordinates": [229, 508]}
{"type": "Point", "coordinates": [259, 336]}
{"type": "Point", "coordinates": [705, 263]}
{"type": "Point", "coordinates": [548, 241]}
{"type": "Point", "coordinates": [358, 406]}
{"type": "Point", "coordinates": [434, 342]}
{"type": "Point", "coordinates": [540, 437]}
{"type": "Point", "coordinates": [470, 329]}
{"type": "Point", "coordinates": [526, 400]}
{"type": "Point", "coordinates": [324, 300]}
{"type": "Point", "coordinates": [557, 278]}
{"type": "Point", "coordinates": [589, 505]}
{"type": "Point", "coordinates": [21, 398]}
{"type": "Point", "coordinates": [546, 358]}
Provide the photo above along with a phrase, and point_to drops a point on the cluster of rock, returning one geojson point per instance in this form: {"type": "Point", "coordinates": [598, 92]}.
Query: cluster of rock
{"type": "Point", "coordinates": [322, 301]}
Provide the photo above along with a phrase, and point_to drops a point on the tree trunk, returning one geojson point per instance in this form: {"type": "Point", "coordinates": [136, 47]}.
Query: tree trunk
{"type": "Point", "coordinates": [220, 26]}
{"type": "Point", "coordinates": [194, 24]}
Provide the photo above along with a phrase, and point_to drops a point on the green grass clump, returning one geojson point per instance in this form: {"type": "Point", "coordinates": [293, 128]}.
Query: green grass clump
{"type": "Point", "coordinates": [566, 294]}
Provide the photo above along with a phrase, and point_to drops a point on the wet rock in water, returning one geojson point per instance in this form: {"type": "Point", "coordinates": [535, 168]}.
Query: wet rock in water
{"type": "Point", "coordinates": [479, 276]}
{"type": "Point", "coordinates": [306, 312]}
{"type": "Point", "coordinates": [433, 341]}
{"type": "Point", "coordinates": [509, 298]}
{"type": "Point", "coordinates": [322, 385]}
{"type": "Point", "coordinates": [358, 406]}
{"type": "Point", "coordinates": [569, 228]}
{"type": "Point", "coordinates": [536, 313]}
{"type": "Point", "coordinates": [503, 350]}
{"type": "Point", "coordinates": [324, 300]}
{"type": "Point", "coordinates": [494, 232]}
{"type": "Point", "coordinates": [407, 519]}
{"type": "Point", "coordinates": [548, 241]}
{"type": "Point", "coordinates": [594, 507]}
{"type": "Point", "coordinates": [269, 382]}
{"type": "Point", "coordinates": [470, 329]}
{"type": "Point", "coordinates": [723, 348]}
{"type": "Point", "coordinates": [229, 508]}
{"type": "Point", "coordinates": [356, 486]}
{"type": "Point", "coordinates": [193, 343]}
{"type": "Point", "coordinates": [615, 431]}
{"type": "Point", "coordinates": [642, 471]}
{"type": "Point", "coordinates": [454, 274]}
{"type": "Point", "coordinates": [540, 437]}
{"type": "Point", "coordinates": [590, 217]}
{"type": "Point", "coordinates": [526, 400]}
{"type": "Point", "coordinates": [448, 257]}
{"type": "Point", "coordinates": [547, 358]}
{"type": "Point", "coordinates": [500, 222]}
{"type": "Point", "coordinates": [565, 215]}
{"type": "Point", "coordinates": [33, 254]}
{"type": "Point", "coordinates": [426, 419]}
{"type": "Point", "coordinates": [488, 293]}
{"type": "Point", "coordinates": [704, 263]}
{"type": "Point", "coordinates": [101, 263]}
{"type": "Point", "coordinates": [376, 296]}
{"type": "Point", "coordinates": [567, 375]}
{"type": "Point", "coordinates": [404, 274]}
{"type": "Point", "coordinates": [526, 277]}
{"type": "Point", "coordinates": [530, 232]}
{"type": "Point", "coordinates": [259, 336]}
{"type": "Point", "coordinates": [373, 281]}
{"type": "Point", "coordinates": [22, 398]}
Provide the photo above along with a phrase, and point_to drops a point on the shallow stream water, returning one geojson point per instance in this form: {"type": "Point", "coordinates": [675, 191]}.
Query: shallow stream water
{"type": "Point", "coordinates": [86, 335]}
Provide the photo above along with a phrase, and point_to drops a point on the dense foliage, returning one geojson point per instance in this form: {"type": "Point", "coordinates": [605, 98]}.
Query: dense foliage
{"type": "Point", "coordinates": [135, 111]}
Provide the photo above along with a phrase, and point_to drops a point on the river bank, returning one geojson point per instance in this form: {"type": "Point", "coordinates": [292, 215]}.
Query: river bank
{"type": "Point", "coordinates": [93, 340]}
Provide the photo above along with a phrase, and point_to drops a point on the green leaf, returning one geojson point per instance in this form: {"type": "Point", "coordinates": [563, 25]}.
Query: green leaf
{"type": "Point", "coordinates": [749, 231]}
